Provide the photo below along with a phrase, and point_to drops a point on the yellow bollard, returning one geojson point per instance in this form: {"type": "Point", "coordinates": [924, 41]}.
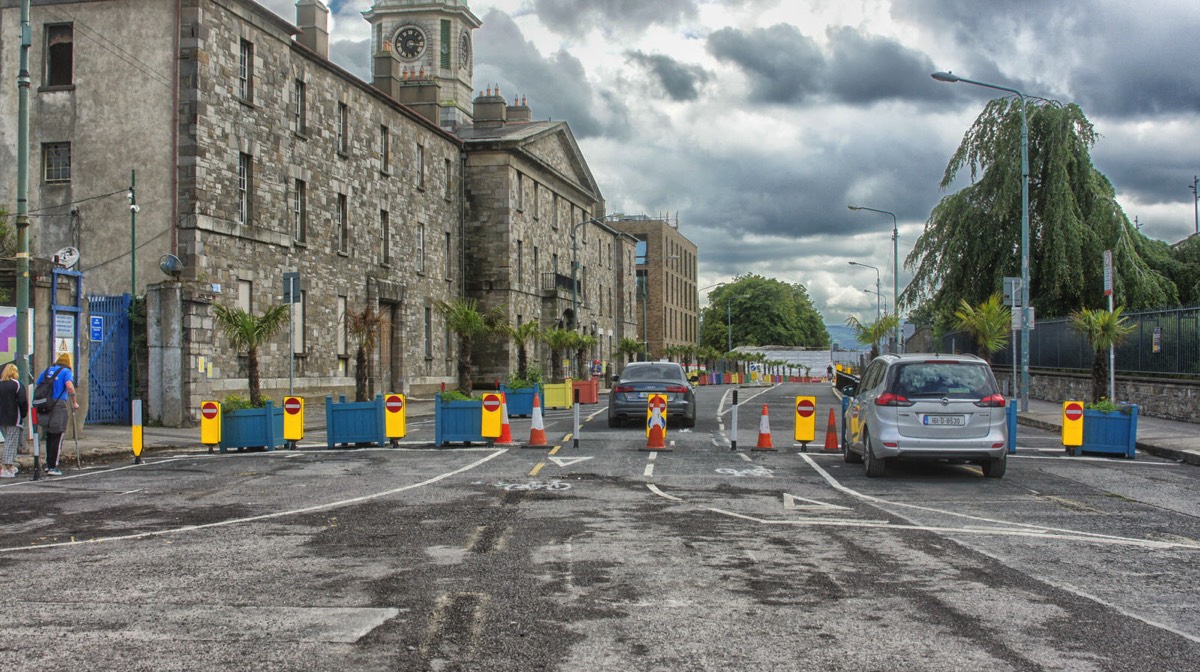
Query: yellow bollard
{"type": "Point", "coordinates": [210, 423]}
{"type": "Point", "coordinates": [395, 423]}
{"type": "Point", "coordinates": [806, 421]}
{"type": "Point", "coordinates": [293, 420]}
{"type": "Point", "coordinates": [492, 420]}
{"type": "Point", "coordinates": [1072, 428]}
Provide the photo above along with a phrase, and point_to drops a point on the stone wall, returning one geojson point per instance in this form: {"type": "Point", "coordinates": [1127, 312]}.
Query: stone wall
{"type": "Point", "coordinates": [1171, 400]}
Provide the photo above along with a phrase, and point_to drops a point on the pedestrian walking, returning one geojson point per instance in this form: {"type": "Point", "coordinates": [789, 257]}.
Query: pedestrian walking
{"type": "Point", "coordinates": [829, 372]}
{"type": "Point", "coordinates": [55, 422]}
{"type": "Point", "coordinates": [14, 404]}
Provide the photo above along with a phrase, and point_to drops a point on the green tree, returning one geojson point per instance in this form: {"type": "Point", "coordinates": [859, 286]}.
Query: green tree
{"type": "Point", "coordinates": [583, 343]}
{"type": "Point", "coordinates": [365, 326]}
{"type": "Point", "coordinates": [248, 332]}
{"type": "Point", "coordinates": [522, 335]}
{"type": "Point", "coordinates": [559, 340]}
{"type": "Point", "coordinates": [989, 323]}
{"type": "Point", "coordinates": [973, 237]}
{"type": "Point", "coordinates": [1102, 329]}
{"type": "Point", "coordinates": [467, 323]}
{"type": "Point", "coordinates": [765, 311]}
{"type": "Point", "coordinates": [627, 348]}
{"type": "Point", "coordinates": [873, 332]}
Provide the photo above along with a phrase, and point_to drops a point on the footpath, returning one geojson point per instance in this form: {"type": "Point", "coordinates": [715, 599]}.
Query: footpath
{"type": "Point", "coordinates": [1168, 439]}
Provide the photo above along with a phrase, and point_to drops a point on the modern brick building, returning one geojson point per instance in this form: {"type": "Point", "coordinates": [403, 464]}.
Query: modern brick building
{"type": "Point", "coordinates": [667, 295]}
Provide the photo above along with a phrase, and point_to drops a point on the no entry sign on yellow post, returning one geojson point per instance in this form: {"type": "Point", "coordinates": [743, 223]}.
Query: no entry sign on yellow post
{"type": "Point", "coordinates": [806, 419]}
{"type": "Point", "coordinates": [1072, 429]}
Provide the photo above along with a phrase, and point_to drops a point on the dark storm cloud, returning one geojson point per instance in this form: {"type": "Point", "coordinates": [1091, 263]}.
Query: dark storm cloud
{"type": "Point", "coordinates": [556, 86]}
{"type": "Point", "coordinates": [863, 69]}
{"type": "Point", "coordinates": [612, 16]}
{"type": "Point", "coordinates": [680, 80]}
{"type": "Point", "coordinates": [783, 64]}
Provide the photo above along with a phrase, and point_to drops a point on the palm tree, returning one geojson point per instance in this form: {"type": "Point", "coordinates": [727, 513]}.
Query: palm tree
{"type": "Point", "coordinates": [583, 344]}
{"type": "Point", "coordinates": [989, 323]}
{"type": "Point", "coordinates": [1103, 330]}
{"type": "Point", "coordinates": [246, 331]}
{"type": "Point", "coordinates": [365, 327]}
{"type": "Point", "coordinates": [873, 332]}
{"type": "Point", "coordinates": [465, 321]}
{"type": "Point", "coordinates": [560, 340]}
{"type": "Point", "coordinates": [522, 335]}
{"type": "Point", "coordinates": [627, 348]}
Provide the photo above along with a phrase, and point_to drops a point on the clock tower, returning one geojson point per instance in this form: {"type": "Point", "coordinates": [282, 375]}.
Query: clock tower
{"type": "Point", "coordinates": [423, 56]}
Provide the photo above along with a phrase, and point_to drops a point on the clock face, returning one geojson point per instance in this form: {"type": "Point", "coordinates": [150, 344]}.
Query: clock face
{"type": "Point", "coordinates": [410, 42]}
{"type": "Point", "coordinates": [464, 50]}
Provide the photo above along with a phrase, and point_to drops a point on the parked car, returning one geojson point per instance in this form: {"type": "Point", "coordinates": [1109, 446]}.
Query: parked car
{"type": "Point", "coordinates": [631, 391]}
{"type": "Point", "coordinates": [926, 406]}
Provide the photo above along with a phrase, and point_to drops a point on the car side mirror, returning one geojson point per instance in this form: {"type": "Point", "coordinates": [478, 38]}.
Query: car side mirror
{"type": "Point", "coordinates": [850, 390]}
{"type": "Point", "coordinates": [616, 379]}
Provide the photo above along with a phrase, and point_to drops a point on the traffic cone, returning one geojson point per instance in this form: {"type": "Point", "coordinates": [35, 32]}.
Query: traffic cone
{"type": "Point", "coordinates": [537, 431]}
{"type": "Point", "coordinates": [764, 432]}
{"type": "Point", "coordinates": [505, 430]}
{"type": "Point", "coordinates": [656, 438]}
{"type": "Point", "coordinates": [831, 437]}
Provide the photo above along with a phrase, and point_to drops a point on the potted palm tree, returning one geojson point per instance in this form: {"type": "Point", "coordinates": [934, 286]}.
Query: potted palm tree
{"type": "Point", "coordinates": [989, 324]}
{"type": "Point", "coordinates": [255, 423]}
{"type": "Point", "coordinates": [559, 393]}
{"type": "Point", "coordinates": [526, 381]}
{"type": "Point", "coordinates": [362, 421]}
{"type": "Point", "coordinates": [461, 419]}
{"type": "Point", "coordinates": [628, 348]}
{"type": "Point", "coordinates": [1107, 426]}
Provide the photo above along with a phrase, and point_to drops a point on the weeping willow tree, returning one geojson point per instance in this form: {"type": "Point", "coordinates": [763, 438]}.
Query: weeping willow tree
{"type": "Point", "coordinates": [973, 237]}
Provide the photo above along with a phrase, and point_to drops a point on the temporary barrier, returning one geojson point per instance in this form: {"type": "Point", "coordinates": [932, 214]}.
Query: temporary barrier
{"type": "Point", "coordinates": [293, 419]}
{"type": "Point", "coordinates": [831, 438]}
{"type": "Point", "coordinates": [395, 419]}
{"type": "Point", "coordinates": [656, 422]}
{"type": "Point", "coordinates": [354, 422]}
{"type": "Point", "coordinates": [505, 428]}
{"type": "Point", "coordinates": [210, 423]}
{"type": "Point", "coordinates": [537, 432]}
{"type": "Point", "coordinates": [491, 421]}
{"type": "Point", "coordinates": [806, 421]}
{"type": "Point", "coordinates": [1072, 426]}
{"type": "Point", "coordinates": [764, 432]}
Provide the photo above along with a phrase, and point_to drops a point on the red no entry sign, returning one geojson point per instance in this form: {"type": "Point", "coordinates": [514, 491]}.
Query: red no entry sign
{"type": "Point", "coordinates": [209, 409]}
{"type": "Point", "coordinates": [1073, 412]}
{"type": "Point", "coordinates": [491, 403]}
{"type": "Point", "coordinates": [394, 403]}
{"type": "Point", "coordinates": [291, 405]}
{"type": "Point", "coordinates": [805, 408]}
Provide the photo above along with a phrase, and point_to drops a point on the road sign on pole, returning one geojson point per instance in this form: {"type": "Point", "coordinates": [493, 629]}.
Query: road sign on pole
{"type": "Point", "coordinates": [1108, 273]}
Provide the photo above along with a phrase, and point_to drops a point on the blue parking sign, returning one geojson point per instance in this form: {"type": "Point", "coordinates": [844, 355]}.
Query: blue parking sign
{"type": "Point", "coordinates": [97, 327]}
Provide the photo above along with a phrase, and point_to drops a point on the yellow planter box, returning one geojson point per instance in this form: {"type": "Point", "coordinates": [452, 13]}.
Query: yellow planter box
{"type": "Point", "coordinates": [560, 395]}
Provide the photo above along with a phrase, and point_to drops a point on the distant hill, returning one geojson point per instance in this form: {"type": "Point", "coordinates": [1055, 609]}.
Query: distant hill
{"type": "Point", "coordinates": [844, 337]}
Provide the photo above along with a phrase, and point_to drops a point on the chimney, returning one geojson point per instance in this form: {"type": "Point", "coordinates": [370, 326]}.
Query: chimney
{"type": "Point", "coordinates": [312, 18]}
{"type": "Point", "coordinates": [519, 111]}
{"type": "Point", "coordinates": [490, 109]}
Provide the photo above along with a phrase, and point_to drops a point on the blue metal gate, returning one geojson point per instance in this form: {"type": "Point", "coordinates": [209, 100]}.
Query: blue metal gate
{"type": "Point", "coordinates": [108, 364]}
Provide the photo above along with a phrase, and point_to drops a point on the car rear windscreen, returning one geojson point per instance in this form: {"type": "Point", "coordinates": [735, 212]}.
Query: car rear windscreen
{"type": "Point", "coordinates": [956, 380]}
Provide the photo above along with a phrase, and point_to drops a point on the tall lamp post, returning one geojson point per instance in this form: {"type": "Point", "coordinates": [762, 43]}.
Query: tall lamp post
{"type": "Point", "coordinates": [952, 78]}
{"type": "Point", "coordinates": [878, 297]}
{"type": "Point", "coordinates": [878, 291]}
{"type": "Point", "coordinates": [895, 265]}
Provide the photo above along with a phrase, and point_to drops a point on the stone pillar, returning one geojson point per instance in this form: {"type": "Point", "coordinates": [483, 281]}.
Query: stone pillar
{"type": "Point", "coordinates": [164, 337]}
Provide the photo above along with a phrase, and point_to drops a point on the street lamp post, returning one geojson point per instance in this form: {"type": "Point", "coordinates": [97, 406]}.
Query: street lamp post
{"type": "Point", "coordinates": [878, 291]}
{"type": "Point", "coordinates": [895, 265]}
{"type": "Point", "coordinates": [952, 78]}
{"type": "Point", "coordinates": [878, 297]}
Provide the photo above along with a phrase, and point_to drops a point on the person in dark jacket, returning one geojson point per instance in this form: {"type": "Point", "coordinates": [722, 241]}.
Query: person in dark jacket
{"type": "Point", "coordinates": [14, 404]}
{"type": "Point", "coordinates": [55, 422]}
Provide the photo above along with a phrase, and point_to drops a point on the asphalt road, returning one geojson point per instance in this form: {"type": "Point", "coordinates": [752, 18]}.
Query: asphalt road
{"type": "Point", "coordinates": [604, 557]}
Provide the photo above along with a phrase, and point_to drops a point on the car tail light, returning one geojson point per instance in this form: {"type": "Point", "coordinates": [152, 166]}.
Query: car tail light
{"type": "Point", "coordinates": [892, 399]}
{"type": "Point", "coordinates": [676, 389]}
{"type": "Point", "coordinates": [623, 389]}
{"type": "Point", "coordinates": [994, 401]}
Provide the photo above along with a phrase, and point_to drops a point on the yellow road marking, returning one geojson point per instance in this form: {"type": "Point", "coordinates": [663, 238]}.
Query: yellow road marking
{"type": "Point", "coordinates": [537, 469]}
{"type": "Point", "coordinates": [555, 451]}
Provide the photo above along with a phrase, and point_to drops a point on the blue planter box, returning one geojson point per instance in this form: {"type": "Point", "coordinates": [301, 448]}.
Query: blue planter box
{"type": "Point", "coordinates": [458, 421]}
{"type": "Point", "coordinates": [350, 423]}
{"type": "Point", "coordinates": [252, 428]}
{"type": "Point", "coordinates": [520, 401]}
{"type": "Point", "coordinates": [1010, 419]}
{"type": "Point", "coordinates": [1110, 432]}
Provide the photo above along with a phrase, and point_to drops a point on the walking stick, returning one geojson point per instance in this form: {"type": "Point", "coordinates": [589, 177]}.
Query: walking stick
{"type": "Point", "coordinates": [75, 436]}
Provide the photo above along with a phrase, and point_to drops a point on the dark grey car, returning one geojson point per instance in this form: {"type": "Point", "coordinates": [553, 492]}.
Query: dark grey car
{"type": "Point", "coordinates": [631, 392]}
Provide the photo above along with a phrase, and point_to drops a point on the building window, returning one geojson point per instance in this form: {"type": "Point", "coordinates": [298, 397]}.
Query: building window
{"type": "Point", "coordinates": [343, 212]}
{"type": "Point", "coordinates": [428, 332]}
{"type": "Point", "coordinates": [342, 326]}
{"type": "Point", "coordinates": [385, 235]}
{"type": "Point", "coordinates": [60, 56]}
{"type": "Point", "coordinates": [245, 296]}
{"type": "Point", "coordinates": [245, 187]}
{"type": "Point", "coordinates": [299, 312]}
{"type": "Point", "coordinates": [554, 208]}
{"type": "Point", "coordinates": [56, 161]}
{"type": "Point", "coordinates": [420, 167]}
{"type": "Point", "coordinates": [449, 181]}
{"type": "Point", "coordinates": [300, 212]}
{"type": "Point", "coordinates": [385, 150]}
{"type": "Point", "coordinates": [536, 209]}
{"type": "Point", "coordinates": [300, 114]}
{"type": "Point", "coordinates": [420, 248]}
{"type": "Point", "coordinates": [449, 258]}
{"type": "Point", "coordinates": [520, 191]}
{"type": "Point", "coordinates": [343, 128]}
{"type": "Point", "coordinates": [520, 264]}
{"type": "Point", "coordinates": [246, 71]}
{"type": "Point", "coordinates": [536, 267]}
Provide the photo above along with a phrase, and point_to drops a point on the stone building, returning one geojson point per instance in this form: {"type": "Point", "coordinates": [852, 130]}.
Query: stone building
{"type": "Point", "coordinates": [256, 156]}
{"type": "Point", "coordinates": [668, 310]}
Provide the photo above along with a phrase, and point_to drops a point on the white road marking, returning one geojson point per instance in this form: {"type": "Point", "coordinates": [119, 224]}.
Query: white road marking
{"type": "Point", "coordinates": [654, 488]}
{"type": "Point", "coordinates": [649, 471]}
{"type": "Point", "coordinates": [789, 502]}
{"type": "Point", "coordinates": [265, 516]}
{"type": "Point", "coordinates": [568, 461]}
{"type": "Point", "coordinates": [746, 457]}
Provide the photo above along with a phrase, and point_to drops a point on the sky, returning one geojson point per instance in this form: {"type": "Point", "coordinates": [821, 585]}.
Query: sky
{"type": "Point", "coordinates": [757, 122]}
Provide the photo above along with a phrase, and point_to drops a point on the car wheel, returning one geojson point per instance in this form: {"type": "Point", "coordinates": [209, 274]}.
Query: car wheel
{"type": "Point", "coordinates": [614, 422]}
{"type": "Point", "coordinates": [848, 455]}
{"type": "Point", "coordinates": [688, 422]}
{"type": "Point", "coordinates": [875, 466]}
{"type": "Point", "coordinates": [995, 468]}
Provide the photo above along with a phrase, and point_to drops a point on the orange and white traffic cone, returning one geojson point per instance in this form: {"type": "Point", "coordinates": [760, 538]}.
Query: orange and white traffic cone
{"type": "Point", "coordinates": [831, 437]}
{"type": "Point", "coordinates": [656, 438]}
{"type": "Point", "coordinates": [505, 429]}
{"type": "Point", "coordinates": [537, 431]}
{"type": "Point", "coordinates": [764, 432]}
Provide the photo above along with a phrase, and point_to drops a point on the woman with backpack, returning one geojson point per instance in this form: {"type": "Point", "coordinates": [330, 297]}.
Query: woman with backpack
{"type": "Point", "coordinates": [55, 422]}
{"type": "Point", "coordinates": [14, 403]}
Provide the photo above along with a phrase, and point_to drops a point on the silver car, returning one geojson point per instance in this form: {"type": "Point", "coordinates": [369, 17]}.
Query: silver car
{"type": "Point", "coordinates": [926, 406]}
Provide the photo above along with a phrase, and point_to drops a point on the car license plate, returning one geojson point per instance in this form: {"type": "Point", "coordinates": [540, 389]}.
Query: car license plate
{"type": "Point", "coordinates": [643, 395]}
{"type": "Point", "coordinates": [946, 420]}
